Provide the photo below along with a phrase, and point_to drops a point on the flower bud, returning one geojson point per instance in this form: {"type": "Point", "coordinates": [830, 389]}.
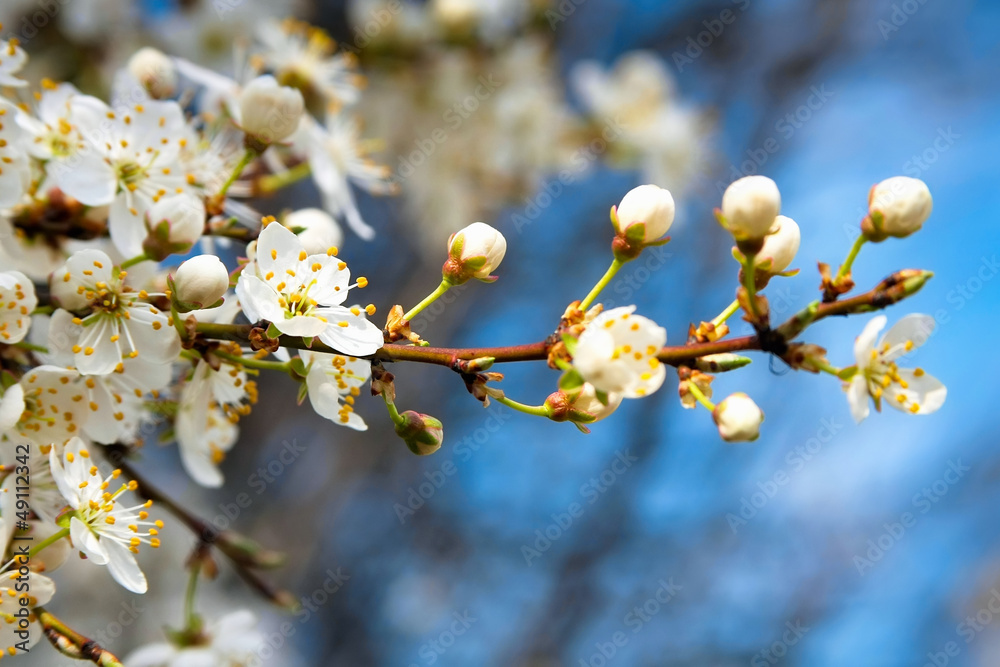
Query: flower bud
{"type": "Point", "coordinates": [269, 112]}
{"type": "Point", "coordinates": [750, 206]}
{"type": "Point", "coordinates": [155, 71]}
{"type": "Point", "coordinates": [200, 282]}
{"type": "Point", "coordinates": [474, 252]}
{"type": "Point", "coordinates": [320, 231]}
{"type": "Point", "coordinates": [174, 224]}
{"type": "Point", "coordinates": [647, 205]}
{"type": "Point", "coordinates": [738, 418]}
{"type": "Point", "coordinates": [780, 247]}
{"type": "Point", "coordinates": [902, 203]}
{"type": "Point", "coordinates": [423, 434]}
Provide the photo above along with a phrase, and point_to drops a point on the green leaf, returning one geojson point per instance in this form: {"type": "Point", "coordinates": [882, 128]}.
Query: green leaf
{"type": "Point", "coordinates": [601, 396]}
{"type": "Point", "coordinates": [570, 380]}
{"type": "Point", "coordinates": [570, 343]}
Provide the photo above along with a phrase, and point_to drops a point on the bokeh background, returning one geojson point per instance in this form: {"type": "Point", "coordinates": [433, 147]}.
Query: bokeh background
{"type": "Point", "coordinates": [692, 553]}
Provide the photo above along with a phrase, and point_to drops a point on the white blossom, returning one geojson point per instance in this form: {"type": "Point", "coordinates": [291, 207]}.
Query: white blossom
{"type": "Point", "coordinates": [229, 642]}
{"type": "Point", "coordinates": [617, 352]}
{"type": "Point", "coordinates": [904, 203]}
{"type": "Point", "coordinates": [52, 134]}
{"type": "Point", "coordinates": [647, 205]}
{"type": "Point", "coordinates": [154, 71]}
{"type": "Point", "coordinates": [270, 112]}
{"type": "Point", "coordinates": [301, 294]}
{"type": "Point", "coordinates": [12, 60]}
{"type": "Point", "coordinates": [780, 246]}
{"type": "Point", "coordinates": [338, 160]}
{"type": "Point", "coordinates": [15, 173]}
{"type": "Point", "coordinates": [101, 527]}
{"type": "Point", "coordinates": [333, 383]}
{"type": "Point", "coordinates": [637, 104]}
{"type": "Point", "coordinates": [17, 300]}
{"type": "Point", "coordinates": [129, 161]}
{"type": "Point", "coordinates": [41, 406]}
{"type": "Point", "coordinates": [115, 322]}
{"type": "Point", "coordinates": [318, 230]}
{"type": "Point", "coordinates": [184, 220]}
{"type": "Point", "coordinates": [474, 252]}
{"type": "Point", "coordinates": [738, 418]}
{"type": "Point", "coordinates": [201, 280]}
{"type": "Point", "coordinates": [302, 55]}
{"type": "Point", "coordinates": [207, 411]}
{"type": "Point", "coordinates": [750, 206]}
{"type": "Point", "coordinates": [907, 389]}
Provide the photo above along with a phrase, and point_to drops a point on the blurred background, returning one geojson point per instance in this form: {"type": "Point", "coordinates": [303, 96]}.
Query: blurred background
{"type": "Point", "coordinates": [681, 550]}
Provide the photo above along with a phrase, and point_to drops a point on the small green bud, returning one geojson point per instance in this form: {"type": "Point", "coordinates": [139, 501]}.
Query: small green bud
{"type": "Point", "coordinates": [423, 434]}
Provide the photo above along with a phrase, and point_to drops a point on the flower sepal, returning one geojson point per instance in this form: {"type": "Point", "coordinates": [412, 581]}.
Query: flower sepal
{"type": "Point", "coordinates": [187, 306]}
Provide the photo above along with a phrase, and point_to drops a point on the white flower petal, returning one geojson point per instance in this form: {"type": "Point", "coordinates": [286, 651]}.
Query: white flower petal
{"type": "Point", "coordinates": [359, 338]}
{"type": "Point", "coordinates": [865, 343]}
{"type": "Point", "coordinates": [154, 655]}
{"type": "Point", "coordinates": [124, 569]}
{"type": "Point", "coordinates": [857, 398]}
{"type": "Point", "coordinates": [85, 540]}
{"type": "Point", "coordinates": [913, 328]}
{"type": "Point", "coordinates": [925, 391]}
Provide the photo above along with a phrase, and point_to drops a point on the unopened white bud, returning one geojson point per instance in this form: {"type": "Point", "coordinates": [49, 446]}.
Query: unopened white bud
{"type": "Point", "coordinates": [320, 231]}
{"type": "Point", "coordinates": [648, 205]}
{"type": "Point", "coordinates": [474, 252]}
{"type": "Point", "coordinates": [782, 245]}
{"type": "Point", "coordinates": [905, 204]}
{"type": "Point", "coordinates": [750, 206]}
{"type": "Point", "coordinates": [738, 418]}
{"type": "Point", "coordinates": [174, 224]}
{"type": "Point", "coordinates": [155, 71]}
{"type": "Point", "coordinates": [270, 112]}
{"type": "Point", "coordinates": [201, 281]}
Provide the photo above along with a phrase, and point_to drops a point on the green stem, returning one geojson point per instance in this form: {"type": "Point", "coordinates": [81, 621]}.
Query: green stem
{"type": "Point", "coordinates": [727, 313]}
{"type": "Point", "coordinates": [700, 397]}
{"type": "Point", "coordinates": [142, 257]}
{"type": "Point", "coordinates": [248, 157]}
{"type": "Point", "coordinates": [428, 300]}
{"type": "Point", "coordinates": [191, 620]}
{"type": "Point", "coordinates": [845, 268]}
{"type": "Point", "coordinates": [178, 322]}
{"type": "Point", "coordinates": [25, 345]}
{"type": "Point", "coordinates": [272, 182]}
{"type": "Point", "coordinates": [251, 362]}
{"type": "Point", "coordinates": [43, 310]}
{"type": "Point", "coordinates": [48, 541]}
{"type": "Point", "coordinates": [750, 283]}
{"type": "Point", "coordinates": [393, 412]}
{"type": "Point", "coordinates": [826, 367]}
{"type": "Point", "coordinates": [616, 265]}
{"type": "Point", "coordinates": [537, 410]}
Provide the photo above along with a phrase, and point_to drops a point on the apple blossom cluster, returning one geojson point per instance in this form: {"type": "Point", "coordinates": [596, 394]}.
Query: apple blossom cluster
{"type": "Point", "coordinates": [142, 291]}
